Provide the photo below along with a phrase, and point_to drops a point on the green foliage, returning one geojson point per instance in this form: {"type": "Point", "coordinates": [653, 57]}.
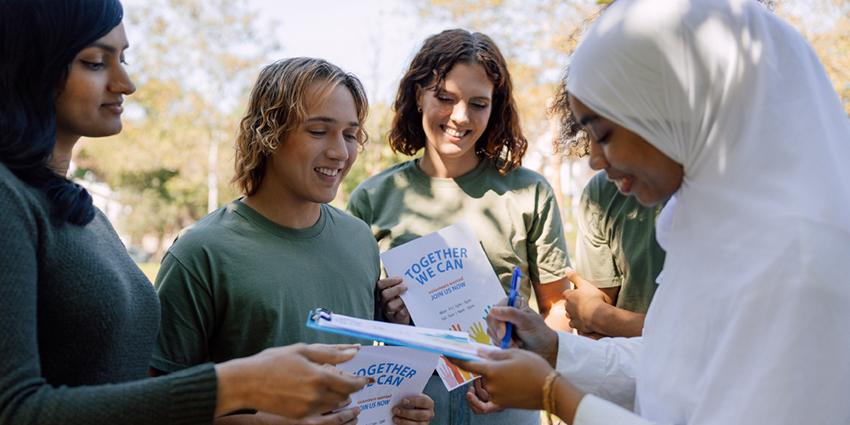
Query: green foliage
{"type": "Point", "coordinates": [193, 68]}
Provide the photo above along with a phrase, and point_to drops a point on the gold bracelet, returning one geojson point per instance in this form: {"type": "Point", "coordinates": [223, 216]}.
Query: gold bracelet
{"type": "Point", "coordinates": [549, 394]}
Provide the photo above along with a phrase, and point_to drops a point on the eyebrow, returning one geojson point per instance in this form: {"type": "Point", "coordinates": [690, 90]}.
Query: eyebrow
{"type": "Point", "coordinates": [108, 48]}
{"type": "Point", "coordinates": [329, 120]}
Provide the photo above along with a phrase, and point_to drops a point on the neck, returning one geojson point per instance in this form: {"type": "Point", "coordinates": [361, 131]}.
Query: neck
{"type": "Point", "coordinates": [271, 204]}
{"type": "Point", "coordinates": [60, 159]}
{"type": "Point", "coordinates": [434, 165]}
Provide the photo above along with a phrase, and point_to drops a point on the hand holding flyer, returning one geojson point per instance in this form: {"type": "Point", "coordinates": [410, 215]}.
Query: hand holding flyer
{"type": "Point", "coordinates": [398, 372]}
{"type": "Point", "coordinates": [450, 285]}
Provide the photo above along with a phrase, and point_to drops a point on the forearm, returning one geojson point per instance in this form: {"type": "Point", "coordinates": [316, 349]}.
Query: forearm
{"type": "Point", "coordinates": [612, 321]}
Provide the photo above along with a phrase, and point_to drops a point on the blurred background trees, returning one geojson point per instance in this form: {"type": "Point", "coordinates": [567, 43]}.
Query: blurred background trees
{"type": "Point", "coordinates": [194, 62]}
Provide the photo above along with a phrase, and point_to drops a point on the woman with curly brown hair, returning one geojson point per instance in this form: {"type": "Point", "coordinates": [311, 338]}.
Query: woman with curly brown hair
{"type": "Point", "coordinates": [455, 104]}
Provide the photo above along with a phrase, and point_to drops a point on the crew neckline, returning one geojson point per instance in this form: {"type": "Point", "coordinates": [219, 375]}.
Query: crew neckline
{"type": "Point", "coordinates": [254, 217]}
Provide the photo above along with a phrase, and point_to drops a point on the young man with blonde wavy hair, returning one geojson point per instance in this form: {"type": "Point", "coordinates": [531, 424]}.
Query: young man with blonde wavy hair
{"type": "Point", "coordinates": [245, 277]}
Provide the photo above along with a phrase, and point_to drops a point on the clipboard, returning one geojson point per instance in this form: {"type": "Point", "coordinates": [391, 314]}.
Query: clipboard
{"type": "Point", "coordinates": [448, 343]}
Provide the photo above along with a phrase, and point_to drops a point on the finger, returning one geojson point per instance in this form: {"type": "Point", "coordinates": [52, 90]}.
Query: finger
{"type": "Point", "coordinates": [393, 291]}
{"type": "Point", "coordinates": [481, 407]}
{"type": "Point", "coordinates": [481, 368]}
{"type": "Point", "coordinates": [419, 401]}
{"type": "Point", "coordinates": [480, 392]}
{"type": "Point", "coordinates": [329, 354]}
{"type": "Point", "coordinates": [498, 355]}
{"type": "Point", "coordinates": [345, 383]}
{"type": "Point", "coordinates": [415, 415]}
{"type": "Point", "coordinates": [395, 305]}
{"type": "Point", "coordinates": [475, 404]}
{"type": "Point", "coordinates": [343, 416]}
{"type": "Point", "coordinates": [575, 278]}
{"type": "Point", "coordinates": [389, 282]}
{"type": "Point", "coordinates": [511, 314]}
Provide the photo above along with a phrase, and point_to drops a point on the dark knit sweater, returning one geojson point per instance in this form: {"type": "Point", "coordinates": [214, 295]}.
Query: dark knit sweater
{"type": "Point", "coordinates": [78, 321]}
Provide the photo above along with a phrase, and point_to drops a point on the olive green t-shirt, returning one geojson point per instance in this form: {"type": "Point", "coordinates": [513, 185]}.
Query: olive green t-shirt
{"type": "Point", "coordinates": [616, 243]}
{"type": "Point", "coordinates": [236, 283]}
{"type": "Point", "coordinates": [515, 216]}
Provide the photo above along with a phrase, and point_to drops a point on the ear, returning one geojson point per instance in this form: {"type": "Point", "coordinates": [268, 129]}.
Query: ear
{"type": "Point", "coordinates": [420, 92]}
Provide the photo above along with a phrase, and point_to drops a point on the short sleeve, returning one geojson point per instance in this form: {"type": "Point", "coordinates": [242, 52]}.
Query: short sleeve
{"type": "Point", "coordinates": [188, 316]}
{"type": "Point", "coordinates": [594, 257]}
{"type": "Point", "coordinates": [547, 249]}
{"type": "Point", "coordinates": [358, 205]}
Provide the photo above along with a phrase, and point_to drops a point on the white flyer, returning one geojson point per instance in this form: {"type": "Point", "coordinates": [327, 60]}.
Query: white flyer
{"type": "Point", "coordinates": [450, 285]}
{"type": "Point", "coordinates": [399, 372]}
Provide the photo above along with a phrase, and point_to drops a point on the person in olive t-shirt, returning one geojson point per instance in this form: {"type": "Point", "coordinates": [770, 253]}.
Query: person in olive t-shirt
{"type": "Point", "coordinates": [455, 105]}
{"type": "Point", "coordinates": [245, 277]}
{"type": "Point", "coordinates": [617, 252]}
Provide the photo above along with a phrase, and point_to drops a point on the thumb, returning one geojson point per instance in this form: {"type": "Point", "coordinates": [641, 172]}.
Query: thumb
{"type": "Point", "coordinates": [329, 354]}
{"type": "Point", "coordinates": [575, 278]}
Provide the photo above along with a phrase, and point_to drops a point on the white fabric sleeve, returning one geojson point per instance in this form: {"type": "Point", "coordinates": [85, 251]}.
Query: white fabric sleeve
{"type": "Point", "coordinates": [604, 368]}
{"type": "Point", "coordinates": [593, 410]}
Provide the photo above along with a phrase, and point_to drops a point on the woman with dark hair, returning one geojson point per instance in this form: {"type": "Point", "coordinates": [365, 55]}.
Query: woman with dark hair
{"type": "Point", "coordinates": [455, 104]}
{"type": "Point", "coordinates": [688, 101]}
{"type": "Point", "coordinates": [79, 318]}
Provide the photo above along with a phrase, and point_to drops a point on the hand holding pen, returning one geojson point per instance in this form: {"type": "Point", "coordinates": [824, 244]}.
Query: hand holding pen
{"type": "Point", "coordinates": [512, 294]}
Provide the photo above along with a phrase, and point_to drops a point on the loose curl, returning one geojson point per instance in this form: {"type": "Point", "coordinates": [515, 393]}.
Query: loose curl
{"type": "Point", "coordinates": [572, 140]}
{"type": "Point", "coordinates": [502, 140]}
{"type": "Point", "coordinates": [278, 105]}
{"type": "Point", "coordinates": [38, 42]}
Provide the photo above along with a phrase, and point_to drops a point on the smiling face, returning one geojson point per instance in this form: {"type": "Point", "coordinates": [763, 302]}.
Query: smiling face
{"type": "Point", "coordinates": [308, 166]}
{"type": "Point", "coordinates": [455, 115]}
{"type": "Point", "coordinates": [634, 165]}
{"type": "Point", "coordinates": [89, 102]}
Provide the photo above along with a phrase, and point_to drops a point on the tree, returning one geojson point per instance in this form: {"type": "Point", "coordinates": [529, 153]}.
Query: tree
{"type": "Point", "coordinates": [197, 60]}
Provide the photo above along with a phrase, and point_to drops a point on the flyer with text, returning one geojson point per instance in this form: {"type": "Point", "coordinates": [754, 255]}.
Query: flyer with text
{"type": "Point", "coordinates": [399, 372]}
{"type": "Point", "coordinates": [450, 285]}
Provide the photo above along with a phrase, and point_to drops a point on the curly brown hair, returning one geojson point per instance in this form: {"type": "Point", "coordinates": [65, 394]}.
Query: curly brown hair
{"type": "Point", "coordinates": [279, 102]}
{"type": "Point", "coordinates": [502, 140]}
{"type": "Point", "coordinates": [571, 140]}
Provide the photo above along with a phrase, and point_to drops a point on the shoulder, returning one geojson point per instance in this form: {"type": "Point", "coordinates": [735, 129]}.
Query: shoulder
{"type": "Point", "coordinates": [390, 176]}
{"type": "Point", "coordinates": [204, 234]}
{"type": "Point", "coordinates": [11, 187]}
{"type": "Point", "coordinates": [345, 221]}
{"type": "Point", "coordinates": [21, 201]}
{"type": "Point", "coordinates": [600, 191]}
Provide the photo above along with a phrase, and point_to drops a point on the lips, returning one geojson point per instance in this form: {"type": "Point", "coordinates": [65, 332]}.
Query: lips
{"type": "Point", "coordinates": [624, 185]}
{"type": "Point", "coordinates": [114, 107]}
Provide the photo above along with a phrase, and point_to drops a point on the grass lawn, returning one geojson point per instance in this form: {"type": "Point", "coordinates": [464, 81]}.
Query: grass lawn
{"type": "Point", "coordinates": [150, 269]}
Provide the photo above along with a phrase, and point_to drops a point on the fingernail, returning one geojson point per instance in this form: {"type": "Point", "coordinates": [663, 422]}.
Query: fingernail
{"type": "Point", "coordinates": [371, 380]}
{"type": "Point", "coordinates": [405, 402]}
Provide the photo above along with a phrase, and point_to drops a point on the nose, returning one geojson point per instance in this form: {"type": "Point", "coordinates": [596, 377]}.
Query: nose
{"type": "Point", "coordinates": [338, 148]}
{"type": "Point", "coordinates": [596, 157]}
{"type": "Point", "coordinates": [120, 82]}
{"type": "Point", "coordinates": [460, 113]}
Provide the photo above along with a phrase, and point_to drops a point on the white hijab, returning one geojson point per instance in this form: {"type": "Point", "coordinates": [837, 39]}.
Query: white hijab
{"type": "Point", "coordinates": [752, 321]}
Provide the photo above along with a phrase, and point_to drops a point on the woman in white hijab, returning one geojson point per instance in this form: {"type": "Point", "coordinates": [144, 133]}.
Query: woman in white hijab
{"type": "Point", "coordinates": [723, 105]}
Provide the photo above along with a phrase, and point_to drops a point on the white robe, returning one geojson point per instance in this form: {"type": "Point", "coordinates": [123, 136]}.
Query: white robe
{"type": "Point", "coordinates": [751, 324]}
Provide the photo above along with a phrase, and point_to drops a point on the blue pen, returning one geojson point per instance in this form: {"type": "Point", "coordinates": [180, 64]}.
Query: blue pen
{"type": "Point", "coordinates": [515, 277]}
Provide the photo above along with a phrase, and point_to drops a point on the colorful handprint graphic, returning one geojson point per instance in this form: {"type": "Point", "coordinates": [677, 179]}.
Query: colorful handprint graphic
{"type": "Point", "coordinates": [478, 334]}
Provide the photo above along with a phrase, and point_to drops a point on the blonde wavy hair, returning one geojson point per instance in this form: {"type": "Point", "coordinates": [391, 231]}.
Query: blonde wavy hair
{"type": "Point", "coordinates": [280, 99]}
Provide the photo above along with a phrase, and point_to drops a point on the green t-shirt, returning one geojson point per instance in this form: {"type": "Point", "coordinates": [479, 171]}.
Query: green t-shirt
{"type": "Point", "coordinates": [515, 216]}
{"type": "Point", "coordinates": [616, 243]}
{"type": "Point", "coordinates": [236, 283]}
